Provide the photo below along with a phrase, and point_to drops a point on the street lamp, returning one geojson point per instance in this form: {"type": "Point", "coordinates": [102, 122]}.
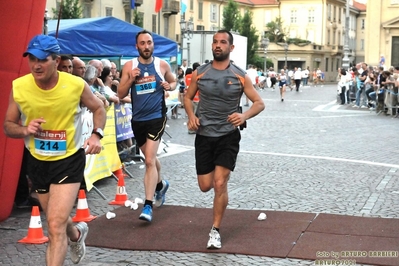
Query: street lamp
{"type": "Point", "coordinates": [345, 60]}
{"type": "Point", "coordinates": [45, 19]}
{"type": "Point", "coordinates": [286, 50]}
{"type": "Point", "coordinates": [265, 44]}
{"type": "Point", "coordinates": [186, 28]}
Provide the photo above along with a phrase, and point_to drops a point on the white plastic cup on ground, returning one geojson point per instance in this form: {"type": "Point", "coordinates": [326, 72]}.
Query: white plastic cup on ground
{"type": "Point", "coordinates": [128, 203]}
{"type": "Point", "coordinates": [134, 206]}
{"type": "Point", "coordinates": [138, 201]}
{"type": "Point", "coordinates": [110, 215]}
{"type": "Point", "coordinates": [262, 216]}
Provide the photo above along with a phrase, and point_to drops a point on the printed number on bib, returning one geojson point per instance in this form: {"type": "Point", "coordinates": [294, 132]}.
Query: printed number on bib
{"type": "Point", "coordinates": [145, 85]}
{"type": "Point", "coordinates": [50, 142]}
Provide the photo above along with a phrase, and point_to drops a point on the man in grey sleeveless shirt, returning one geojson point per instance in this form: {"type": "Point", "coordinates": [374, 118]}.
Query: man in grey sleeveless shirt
{"type": "Point", "coordinates": [220, 85]}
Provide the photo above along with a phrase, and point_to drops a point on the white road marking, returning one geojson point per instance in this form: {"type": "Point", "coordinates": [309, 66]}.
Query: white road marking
{"type": "Point", "coordinates": [324, 158]}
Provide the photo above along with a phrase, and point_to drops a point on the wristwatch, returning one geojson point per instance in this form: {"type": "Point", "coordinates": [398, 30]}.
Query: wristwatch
{"type": "Point", "coordinates": [99, 132]}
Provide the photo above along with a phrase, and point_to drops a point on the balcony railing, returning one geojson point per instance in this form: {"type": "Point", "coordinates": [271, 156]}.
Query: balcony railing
{"type": "Point", "coordinates": [126, 3]}
{"type": "Point", "coordinates": [171, 7]}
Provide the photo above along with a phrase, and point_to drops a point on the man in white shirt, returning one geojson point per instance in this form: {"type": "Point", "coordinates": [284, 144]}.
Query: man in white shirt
{"type": "Point", "coordinates": [252, 73]}
{"type": "Point", "coordinates": [290, 77]}
{"type": "Point", "coordinates": [297, 78]}
{"type": "Point", "coordinates": [305, 77]}
{"type": "Point", "coordinates": [272, 76]}
{"type": "Point", "coordinates": [184, 66]}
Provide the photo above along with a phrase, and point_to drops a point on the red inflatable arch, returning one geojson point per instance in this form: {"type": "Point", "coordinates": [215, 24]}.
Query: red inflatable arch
{"type": "Point", "coordinates": [20, 21]}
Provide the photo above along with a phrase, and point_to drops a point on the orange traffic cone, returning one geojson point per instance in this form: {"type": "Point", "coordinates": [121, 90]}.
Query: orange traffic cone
{"type": "Point", "coordinates": [121, 195]}
{"type": "Point", "coordinates": [35, 231]}
{"type": "Point", "coordinates": [82, 211]}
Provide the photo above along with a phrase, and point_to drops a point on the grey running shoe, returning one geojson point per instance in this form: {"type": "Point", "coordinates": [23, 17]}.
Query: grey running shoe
{"type": "Point", "coordinates": [160, 195]}
{"type": "Point", "coordinates": [214, 241]}
{"type": "Point", "coordinates": [78, 248]}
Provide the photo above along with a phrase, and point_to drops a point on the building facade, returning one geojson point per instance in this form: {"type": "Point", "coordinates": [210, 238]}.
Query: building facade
{"type": "Point", "coordinates": [321, 22]}
{"type": "Point", "coordinates": [382, 32]}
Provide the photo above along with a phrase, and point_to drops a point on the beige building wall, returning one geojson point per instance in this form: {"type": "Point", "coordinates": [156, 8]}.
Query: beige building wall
{"type": "Point", "coordinates": [98, 7]}
{"type": "Point", "coordinates": [322, 22]}
{"type": "Point", "coordinates": [382, 23]}
{"type": "Point", "coordinates": [361, 33]}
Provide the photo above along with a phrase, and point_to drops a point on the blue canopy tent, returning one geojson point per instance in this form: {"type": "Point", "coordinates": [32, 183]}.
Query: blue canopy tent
{"type": "Point", "coordinates": [104, 37]}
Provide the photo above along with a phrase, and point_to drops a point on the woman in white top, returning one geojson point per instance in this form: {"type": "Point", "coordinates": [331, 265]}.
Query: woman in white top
{"type": "Point", "coordinates": [344, 79]}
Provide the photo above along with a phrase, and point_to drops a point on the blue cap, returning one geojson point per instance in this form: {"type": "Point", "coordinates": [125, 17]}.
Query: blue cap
{"type": "Point", "coordinates": [41, 46]}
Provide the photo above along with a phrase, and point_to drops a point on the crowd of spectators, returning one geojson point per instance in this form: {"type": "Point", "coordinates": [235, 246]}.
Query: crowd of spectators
{"type": "Point", "coordinates": [372, 87]}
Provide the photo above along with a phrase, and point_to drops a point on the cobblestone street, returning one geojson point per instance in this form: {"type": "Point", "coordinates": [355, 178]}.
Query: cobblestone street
{"type": "Point", "coordinates": [306, 154]}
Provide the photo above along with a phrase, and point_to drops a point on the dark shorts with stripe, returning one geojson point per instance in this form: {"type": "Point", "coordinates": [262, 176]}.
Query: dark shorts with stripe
{"type": "Point", "coordinates": [151, 129]}
{"type": "Point", "coordinates": [64, 171]}
{"type": "Point", "coordinates": [212, 151]}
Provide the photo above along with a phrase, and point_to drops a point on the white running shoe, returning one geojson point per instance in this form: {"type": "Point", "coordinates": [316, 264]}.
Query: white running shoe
{"type": "Point", "coordinates": [78, 248]}
{"type": "Point", "coordinates": [214, 241]}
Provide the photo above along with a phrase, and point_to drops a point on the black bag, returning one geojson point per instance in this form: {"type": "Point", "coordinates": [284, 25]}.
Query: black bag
{"type": "Point", "coordinates": [244, 125]}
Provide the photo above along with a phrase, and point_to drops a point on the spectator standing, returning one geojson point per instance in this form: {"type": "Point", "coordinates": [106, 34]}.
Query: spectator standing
{"type": "Point", "coordinates": [252, 73]}
{"type": "Point", "coordinates": [305, 77]}
{"type": "Point", "coordinates": [273, 79]}
{"type": "Point", "coordinates": [196, 97]}
{"type": "Point", "coordinates": [361, 92]}
{"type": "Point", "coordinates": [56, 169]}
{"type": "Point", "coordinates": [65, 64]}
{"type": "Point", "coordinates": [369, 84]}
{"type": "Point", "coordinates": [114, 70]}
{"type": "Point", "coordinates": [382, 61]}
{"type": "Point", "coordinates": [147, 78]}
{"type": "Point", "coordinates": [78, 67]}
{"type": "Point", "coordinates": [297, 78]}
{"type": "Point", "coordinates": [344, 78]}
{"type": "Point", "coordinates": [358, 85]}
{"type": "Point", "coordinates": [106, 63]}
{"type": "Point", "coordinates": [98, 84]}
{"type": "Point", "coordinates": [217, 121]}
{"type": "Point", "coordinates": [106, 78]}
{"type": "Point", "coordinates": [290, 77]}
{"type": "Point", "coordinates": [90, 77]}
{"type": "Point", "coordinates": [184, 65]}
{"type": "Point", "coordinates": [314, 77]}
{"type": "Point", "coordinates": [182, 85]}
{"type": "Point", "coordinates": [390, 97]}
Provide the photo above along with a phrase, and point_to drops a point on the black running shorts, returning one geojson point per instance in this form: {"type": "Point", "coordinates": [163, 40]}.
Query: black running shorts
{"type": "Point", "coordinates": [212, 151]}
{"type": "Point", "coordinates": [64, 171]}
{"type": "Point", "coordinates": [152, 129]}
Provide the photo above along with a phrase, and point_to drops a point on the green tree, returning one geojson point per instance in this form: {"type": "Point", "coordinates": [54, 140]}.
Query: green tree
{"type": "Point", "coordinates": [231, 16]}
{"type": "Point", "coordinates": [69, 9]}
{"type": "Point", "coordinates": [259, 62]}
{"type": "Point", "coordinates": [246, 29]}
{"type": "Point", "coordinates": [275, 31]}
{"type": "Point", "coordinates": [138, 18]}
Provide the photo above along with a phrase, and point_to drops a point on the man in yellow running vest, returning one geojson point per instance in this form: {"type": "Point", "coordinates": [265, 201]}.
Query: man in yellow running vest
{"type": "Point", "coordinates": [45, 109]}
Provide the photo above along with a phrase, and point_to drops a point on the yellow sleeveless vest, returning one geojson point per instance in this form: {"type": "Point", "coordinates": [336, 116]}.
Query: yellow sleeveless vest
{"type": "Point", "coordinates": [60, 107]}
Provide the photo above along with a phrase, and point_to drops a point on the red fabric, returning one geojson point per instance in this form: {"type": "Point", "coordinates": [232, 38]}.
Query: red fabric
{"type": "Point", "coordinates": [188, 79]}
{"type": "Point", "coordinates": [188, 82]}
{"type": "Point", "coordinates": [16, 31]}
{"type": "Point", "coordinates": [158, 5]}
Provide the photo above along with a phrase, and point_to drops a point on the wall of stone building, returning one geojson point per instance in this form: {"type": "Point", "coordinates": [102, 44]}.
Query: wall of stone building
{"type": "Point", "coordinates": [379, 39]}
